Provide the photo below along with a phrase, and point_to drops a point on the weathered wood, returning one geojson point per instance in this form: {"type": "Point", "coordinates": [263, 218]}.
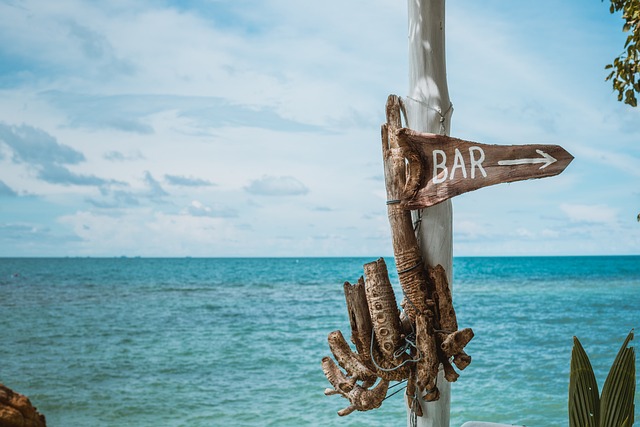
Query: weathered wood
{"type": "Point", "coordinates": [444, 301]}
{"type": "Point", "coordinates": [455, 342]}
{"type": "Point", "coordinates": [383, 308]}
{"type": "Point", "coordinates": [359, 317]}
{"type": "Point", "coordinates": [351, 362]}
{"type": "Point", "coordinates": [365, 399]}
{"type": "Point", "coordinates": [451, 341]}
{"type": "Point", "coordinates": [462, 360]}
{"type": "Point", "coordinates": [449, 373]}
{"type": "Point", "coordinates": [428, 302]}
{"type": "Point", "coordinates": [413, 402]}
{"type": "Point", "coordinates": [385, 318]}
{"type": "Point", "coordinates": [360, 398]}
{"type": "Point", "coordinates": [386, 348]}
{"type": "Point", "coordinates": [427, 366]}
{"type": "Point", "coordinates": [405, 245]}
{"type": "Point", "coordinates": [16, 410]}
{"type": "Point", "coordinates": [449, 166]}
{"type": "Point", "coordinates": [340, 382]}
{"type": "Point", "coordinates": [409, 263]}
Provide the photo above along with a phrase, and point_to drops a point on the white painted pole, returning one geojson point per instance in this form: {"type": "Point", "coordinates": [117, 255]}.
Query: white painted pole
{"type": "Point", "coordinates": [429, 110]}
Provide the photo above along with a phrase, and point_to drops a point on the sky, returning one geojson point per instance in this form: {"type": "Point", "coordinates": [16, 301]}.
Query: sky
{"type": "Point", "coordinates": [213, 128]}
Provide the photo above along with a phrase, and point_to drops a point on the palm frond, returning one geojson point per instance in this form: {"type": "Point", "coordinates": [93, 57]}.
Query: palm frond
{"type": "Point", "coordinates": [584, 401]}
{"type": "Point", "coordinates": [616, 403]}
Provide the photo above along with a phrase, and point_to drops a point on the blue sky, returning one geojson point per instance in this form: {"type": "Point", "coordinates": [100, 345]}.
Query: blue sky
{"type": "Point", "coordinates": [251, 128]}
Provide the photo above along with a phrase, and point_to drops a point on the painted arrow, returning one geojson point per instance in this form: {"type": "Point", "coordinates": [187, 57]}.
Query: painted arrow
{"type": "Point", "coordinates": [547, 160]}
{"type": "Point", "coordinates": [441, 167]}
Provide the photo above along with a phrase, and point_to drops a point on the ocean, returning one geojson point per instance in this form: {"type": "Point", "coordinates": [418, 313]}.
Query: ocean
{"type": "Point", "coordinates": [238, 342]}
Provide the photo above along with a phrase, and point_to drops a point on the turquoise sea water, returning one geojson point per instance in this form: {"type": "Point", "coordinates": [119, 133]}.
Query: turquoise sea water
{"type": "Point", "coordinates": [238, 342]}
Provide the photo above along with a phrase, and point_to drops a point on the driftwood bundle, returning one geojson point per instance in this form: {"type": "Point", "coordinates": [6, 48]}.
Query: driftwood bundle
{"type": "Point", "coordinates": [390, 344]}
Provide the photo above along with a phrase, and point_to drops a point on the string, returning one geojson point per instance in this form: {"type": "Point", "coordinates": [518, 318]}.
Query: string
{"type": "Point", "coordinates": [413, 417]}
{"type": "Point", "coordinates": [443, 116]}
{"type": "Point", "coordinates": [407, 343]}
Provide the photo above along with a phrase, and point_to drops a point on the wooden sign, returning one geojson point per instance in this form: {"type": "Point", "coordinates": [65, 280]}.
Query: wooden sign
{"type": "Point", "coordinates": [440, 167]}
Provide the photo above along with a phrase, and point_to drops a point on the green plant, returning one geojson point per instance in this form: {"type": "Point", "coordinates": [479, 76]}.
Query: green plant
{"type": "Point", "coordinates": [615, 407]}
{"type": "Point", "coordinates": [625, 69]}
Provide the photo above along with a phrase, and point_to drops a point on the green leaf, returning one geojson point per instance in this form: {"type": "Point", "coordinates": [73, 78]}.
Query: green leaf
{"type": "Point", "coordinates": [629, 40]}
{"type": "Point", "coordinates": [584, 402]}
{"type": "Point", "coordinates": [616, 402]}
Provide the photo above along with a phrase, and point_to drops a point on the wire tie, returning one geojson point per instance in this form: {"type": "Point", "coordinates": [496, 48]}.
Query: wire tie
{"type": "Point", "coordinates": [397, 384]}
{"type": "Point", "coordinates": [393, 202]}
{"type": "Point", "coordinates": [373, 359]}
{"type": "Point", "coordinates": [395, 392]}
{"type": "Point", "coordinates": [411, 304]}
{"type": "Point", "coordinates": [406, 270]}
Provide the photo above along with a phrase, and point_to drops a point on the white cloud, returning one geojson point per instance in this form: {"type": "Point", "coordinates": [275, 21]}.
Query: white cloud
{"type": "Point", "coordinates": [469, 230]}
{"type": "Point", "coordinates": [187, 181]}
{"type": "Point", "coordinates": [589, 213]}
{"type": "Point", "coordinates": [41, 152]}
{"type": "Point", "coordinates": [117, 156]}
{"type": "Point", "coordinates": [168, 112]}
{"type": "Point", "coordinates": [196, 208]}
{"type": "Point", "coordinates": [145, 232]}
{"type": "Point", "coordinates": [277, 186]}
{"type": "Point", "coordinates": [625, 162]}
{"type": "Point", "coordinates": [6, 191]}
{"type": "Point", "coordinates": [524, 232]}
{"type": "Point", "coordinates": [550, 234]}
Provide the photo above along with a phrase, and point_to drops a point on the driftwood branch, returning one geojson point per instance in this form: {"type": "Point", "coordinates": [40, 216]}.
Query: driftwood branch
{"type": "Point", "coordinates": [405, 245]}
{"type": "Point", "coordinates": [359, 317]}
{"type": "Point", "coordinates": [427, 366]}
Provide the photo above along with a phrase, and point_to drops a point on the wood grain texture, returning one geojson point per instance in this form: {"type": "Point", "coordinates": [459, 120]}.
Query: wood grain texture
{"type": "Point", "coordinates": [406, 250]}
{"type": "Point", "coordinates": [451, 166]}
{"type": "Point", "coordinates": [359, 317]}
